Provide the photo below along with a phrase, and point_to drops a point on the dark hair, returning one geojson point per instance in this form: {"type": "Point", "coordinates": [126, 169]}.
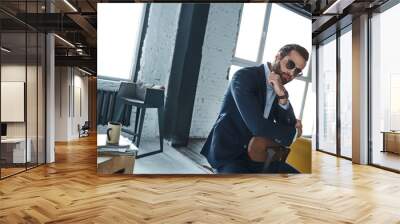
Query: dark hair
{"type": "Point", "coordinates": [285, 50]}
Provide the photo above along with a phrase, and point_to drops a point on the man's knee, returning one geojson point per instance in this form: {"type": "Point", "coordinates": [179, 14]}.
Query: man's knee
{"type": "Point", "coordinates": [257, 148]}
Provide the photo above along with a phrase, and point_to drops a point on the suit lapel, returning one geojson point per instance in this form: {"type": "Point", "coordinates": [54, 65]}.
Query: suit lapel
{"type": "Point", "coordinates": [262, 85]}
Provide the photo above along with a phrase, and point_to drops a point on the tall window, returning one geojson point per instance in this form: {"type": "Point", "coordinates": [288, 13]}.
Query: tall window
{"type": "Point", "coordinates": [334, 75]}
{"type": "Point", "coordinates": [327, 95]}
{"type": "Point", "coordinates": [119, 31]}
{"type": "Point", "coordinates": [264, 29]}
{"type": "Point", "coordinates": [251, 31]}
{"type": "Point", "coordinates": [385, 88]}
{"type": "Point", "coordinates": [346, 93]}
{"type": "Point", "coordinates": [22, 88]}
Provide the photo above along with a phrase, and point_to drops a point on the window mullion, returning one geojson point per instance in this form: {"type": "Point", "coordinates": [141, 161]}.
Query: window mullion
{"type": "Point", "coordinates": [264, 33]}
{"type": "Point", "coordinates": [243, 62]}
{"type": "Point", "coordinates": [137, 54]}
{"type": "Point", "coordinates": [303, 101]}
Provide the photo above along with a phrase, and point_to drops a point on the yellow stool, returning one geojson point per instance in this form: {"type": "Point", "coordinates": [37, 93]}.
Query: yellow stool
{"type": "Point", "coordinates": [300, 155]}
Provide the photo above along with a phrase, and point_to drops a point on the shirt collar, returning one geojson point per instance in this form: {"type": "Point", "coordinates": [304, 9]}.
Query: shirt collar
{"type": "Point", "coordinates": [267, 71]}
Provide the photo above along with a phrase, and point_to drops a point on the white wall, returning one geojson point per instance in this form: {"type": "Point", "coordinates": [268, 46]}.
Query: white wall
{"type": "Point", "coordinates": [15, 72]}
{"type": "Point", "coordinates": [67, 115]}
{"type": "Point", "coordinates": [158, 52]}
{"type": "Point", "coordinates": [33, 126]}
{"type": "Point", "coordinates": [218, 50]}
{"type": "Point", "coordinates": [79, 117]}
{"type": "Point", "coordinates": [61, 103]}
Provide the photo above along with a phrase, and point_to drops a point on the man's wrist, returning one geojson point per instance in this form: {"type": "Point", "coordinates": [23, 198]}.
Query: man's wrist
{"type": "Point", "coordinates": [283, 95]}
{"type": "Point", "coordinates": [283, 102]}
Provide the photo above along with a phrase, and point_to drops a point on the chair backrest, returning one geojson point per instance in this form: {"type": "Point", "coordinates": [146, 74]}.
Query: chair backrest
{"type": "Point", "coordinates": [140, 91]}
{"type": "Point", "coordinates": [150, 95]}
{"type": "Point", "coordinates": [133, 90]}
{"type": "Point", "coordinates": [127, 89]}
{"type": "Point", "coordinates": [86, 125]}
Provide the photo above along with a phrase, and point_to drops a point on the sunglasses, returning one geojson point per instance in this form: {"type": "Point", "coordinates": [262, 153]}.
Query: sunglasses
{"type": "Point", "coordinates": [291, 65]}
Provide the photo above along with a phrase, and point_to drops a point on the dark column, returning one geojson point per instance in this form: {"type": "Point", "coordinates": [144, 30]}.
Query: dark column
{"type": "Point", "coordinates": [185, 72]}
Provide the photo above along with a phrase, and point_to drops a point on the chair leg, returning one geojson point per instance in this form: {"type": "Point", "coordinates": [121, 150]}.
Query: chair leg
{"type": "Point", "coordinates": [160, 112]}
{"type": "Point", "coordinates": [161, 126]}
{"type": "Point", "coordinates": [142, 115]}
{"type": "Point", "coordinates": [285, 153]}
{"type": "Point", "coordinates": [275, 154]}
{"type": "Point", "coordinates": [136, 123]}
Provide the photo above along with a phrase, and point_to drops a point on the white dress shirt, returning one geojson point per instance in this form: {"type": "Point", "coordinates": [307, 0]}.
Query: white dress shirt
{"type": "Point", "coordinates": [270, 93]}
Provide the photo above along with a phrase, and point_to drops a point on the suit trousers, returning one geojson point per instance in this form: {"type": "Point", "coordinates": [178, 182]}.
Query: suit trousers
{"type": "Point", "coordinates": [245, 165]}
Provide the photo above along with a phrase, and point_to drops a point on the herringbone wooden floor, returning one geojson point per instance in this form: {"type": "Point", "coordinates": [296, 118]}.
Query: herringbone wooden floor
{"type": "Point", "coordinates": [70, 191]}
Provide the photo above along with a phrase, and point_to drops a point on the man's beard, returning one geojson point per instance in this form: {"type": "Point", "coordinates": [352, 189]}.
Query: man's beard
{"type": "Point", "coordinates": [276, 68]}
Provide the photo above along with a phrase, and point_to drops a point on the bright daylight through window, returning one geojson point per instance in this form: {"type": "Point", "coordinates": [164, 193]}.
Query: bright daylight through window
{"type": "Point", "coordinates": [116, 59]}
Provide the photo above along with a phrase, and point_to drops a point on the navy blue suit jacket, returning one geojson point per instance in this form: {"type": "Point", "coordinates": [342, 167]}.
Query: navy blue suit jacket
{"type": "Point", "coordinates": [242, 117]}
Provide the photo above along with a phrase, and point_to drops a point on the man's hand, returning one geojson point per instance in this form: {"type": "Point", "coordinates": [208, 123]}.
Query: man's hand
{"type": "Point", "coordinates": [276, 81]}
{"type": "Point", "coordinates": [299, 128]}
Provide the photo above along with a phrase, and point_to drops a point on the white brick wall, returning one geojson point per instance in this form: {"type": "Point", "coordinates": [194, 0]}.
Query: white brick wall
{"type": "Point", "coordinates": [158, 51]}
{"type": "Point", "coordinates": [218, 50]}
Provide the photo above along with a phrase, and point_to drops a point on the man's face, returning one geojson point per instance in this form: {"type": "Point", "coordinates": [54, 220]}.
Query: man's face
{"type": "Point", "coordinates": [281, 65]}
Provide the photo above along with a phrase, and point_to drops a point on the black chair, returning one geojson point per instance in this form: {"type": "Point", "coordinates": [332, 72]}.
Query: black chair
{"type": "Point", "coordinates": [143, 96]}
{"type": "Point", "coordinates": [275, 154]}
{"type": "Point", "coordinates": [84, 130]}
